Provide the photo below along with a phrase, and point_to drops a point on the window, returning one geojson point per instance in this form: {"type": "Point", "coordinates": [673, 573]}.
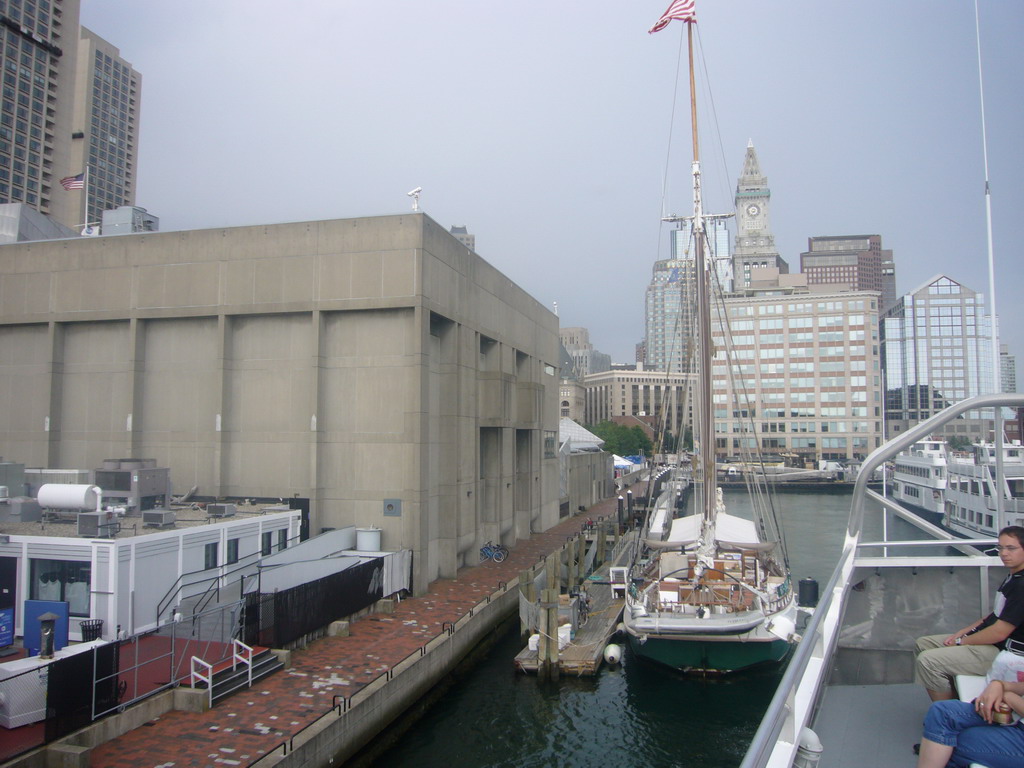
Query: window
{"type": "Point", "coordinates": [64, 581]}
{"type": "Point", "coordinates": [267, 543]}
{"type": "Point", "coordinates": [210, 555]}
{"type": "Point", "coordinates": [232, 555]}
{"type": "Point", "coordinates": [282, 539]}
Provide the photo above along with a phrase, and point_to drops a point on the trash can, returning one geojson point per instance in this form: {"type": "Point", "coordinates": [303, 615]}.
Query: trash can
{"type": "Point", "coordinates": [92, 629]}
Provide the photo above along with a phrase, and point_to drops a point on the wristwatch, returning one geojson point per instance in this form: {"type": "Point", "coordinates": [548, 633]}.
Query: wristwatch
{"type": "Point", "coordinates": [960, 640]}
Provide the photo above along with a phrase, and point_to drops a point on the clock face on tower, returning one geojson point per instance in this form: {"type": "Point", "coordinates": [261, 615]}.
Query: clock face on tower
{"type": "Point", "coordinates": [753, 210]}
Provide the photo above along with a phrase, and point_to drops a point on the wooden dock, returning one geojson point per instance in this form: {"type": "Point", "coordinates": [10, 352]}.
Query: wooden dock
{"type": "Point", "coordinates": [585, 652]}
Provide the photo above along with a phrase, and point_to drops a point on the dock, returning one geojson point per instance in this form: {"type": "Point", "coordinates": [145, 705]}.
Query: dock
{"type": "Point", "coordinates": [585, 652]}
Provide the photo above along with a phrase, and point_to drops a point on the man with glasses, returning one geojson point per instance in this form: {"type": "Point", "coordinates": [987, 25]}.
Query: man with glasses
{"type": "Point", "coordinates": [971, 650]}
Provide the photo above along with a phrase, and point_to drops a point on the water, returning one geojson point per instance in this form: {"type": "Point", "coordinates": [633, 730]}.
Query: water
{"type": "Point", "coordinates": [633, 716]}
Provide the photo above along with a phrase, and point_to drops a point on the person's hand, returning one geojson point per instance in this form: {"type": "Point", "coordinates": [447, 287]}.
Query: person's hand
{"type": "Point", "coordinates": [991, 698]}
{"type": "Point", "coordinates": [951, 640]}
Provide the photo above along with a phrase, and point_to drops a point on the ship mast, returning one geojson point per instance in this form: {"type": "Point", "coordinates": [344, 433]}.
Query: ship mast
{"type": "Point", "coordinates": [705, 427]}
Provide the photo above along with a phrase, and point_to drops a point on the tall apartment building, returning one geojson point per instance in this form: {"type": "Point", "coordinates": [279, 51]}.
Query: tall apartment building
{"type": "Point", "coordinates": [858, 261]}
{"type": "Point", "coordinates": [937, 350]}
{"type": "Point", "coordinates": [52, 123]}
{"type": "Point", "coordinates": [1007, 369]}
{"type": "Point", "coordinates": [755, 243]}
{"type": "Point", "coordinates": [797, 371]}
{"type": "Point", "coordinates": [104, 136]}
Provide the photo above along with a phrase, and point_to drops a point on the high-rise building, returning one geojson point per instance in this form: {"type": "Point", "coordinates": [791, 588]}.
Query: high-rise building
{"type": "Point", "coordinates": [937, 350]}
{"type": "Point", "coordinates": [797, 371]}
{"type": "Point", "coordinates": [669, 307]}
{"type": "Point", "coordinates": [68, 102]}
{"type": "Point", "coordinates": [755, 243]}
{"type": "Point", "coordinates": [1007, 369]}
{"type": "Point", "coordinates": [463, 236]}
{"type": "Point", "coordinates": [858, 261]}
{"type": "Point", "coordinates": [104, 136]}
{"type": "Point", "coordinates": [585, 359]}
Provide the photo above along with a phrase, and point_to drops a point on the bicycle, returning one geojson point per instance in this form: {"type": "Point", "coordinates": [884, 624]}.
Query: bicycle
{"type": "Point", "coordinates": [495, 552]}
{"type": "Point", "coordinates": [582, 605]}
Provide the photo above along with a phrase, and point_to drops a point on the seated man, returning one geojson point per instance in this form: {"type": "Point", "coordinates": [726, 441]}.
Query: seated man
{"type": "Point", "coordinates": [971, 650]}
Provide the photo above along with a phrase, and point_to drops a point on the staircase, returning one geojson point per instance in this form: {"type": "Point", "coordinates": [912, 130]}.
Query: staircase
{"type": "Point", "coordinates": [227, 680]}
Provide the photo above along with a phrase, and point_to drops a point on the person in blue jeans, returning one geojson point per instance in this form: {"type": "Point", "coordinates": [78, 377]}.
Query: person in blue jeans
{"type": "Point", "coordinates": [958, 733]}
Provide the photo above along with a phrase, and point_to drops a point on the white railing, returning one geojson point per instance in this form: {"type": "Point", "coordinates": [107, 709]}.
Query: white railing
{"type": "Point", "coordinates": [202, 673]}
{"type": "Point", "coordinates": [241, 654]}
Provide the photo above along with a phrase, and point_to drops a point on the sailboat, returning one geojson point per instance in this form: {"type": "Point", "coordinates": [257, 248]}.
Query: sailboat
{"type": "Point", "coordinates": [708, 592]}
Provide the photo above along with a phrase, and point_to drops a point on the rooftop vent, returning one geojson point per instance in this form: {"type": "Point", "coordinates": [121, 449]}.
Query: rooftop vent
{"type": "Point", "coordinates": [159, 518]}
{"type": "Point", "coordinates": [220, 510]}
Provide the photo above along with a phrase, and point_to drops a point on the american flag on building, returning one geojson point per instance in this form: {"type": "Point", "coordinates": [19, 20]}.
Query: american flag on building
{"type": "Point", "coordinates": [74, 182]}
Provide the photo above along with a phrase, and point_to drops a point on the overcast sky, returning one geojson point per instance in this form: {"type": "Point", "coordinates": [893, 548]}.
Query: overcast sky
{"type": "Point", "coordinates": [546, 127]}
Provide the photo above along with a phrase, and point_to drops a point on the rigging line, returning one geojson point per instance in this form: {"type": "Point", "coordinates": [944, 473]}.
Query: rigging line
{"type": "Point", "coordinates": [714, 111]}
{"type": "Point", "coordinates": [671, 129]}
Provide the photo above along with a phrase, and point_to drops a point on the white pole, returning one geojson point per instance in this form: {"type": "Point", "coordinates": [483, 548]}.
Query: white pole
{"type": "Point", "coordinates": [997, 413]}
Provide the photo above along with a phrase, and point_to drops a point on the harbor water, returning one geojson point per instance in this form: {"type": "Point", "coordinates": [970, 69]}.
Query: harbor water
{"type": "Point", "coordinates": [631, 716]}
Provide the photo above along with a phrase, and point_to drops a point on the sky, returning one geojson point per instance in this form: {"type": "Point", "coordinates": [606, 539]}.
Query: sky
{"type": "Point", "coordinates": [557, 131]}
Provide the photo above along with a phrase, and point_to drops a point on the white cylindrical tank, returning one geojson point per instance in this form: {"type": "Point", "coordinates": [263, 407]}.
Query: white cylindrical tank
{"type": "Point", "coordinates": [61, 496]}
{"type": "Point", "coordinates": [368, 539]}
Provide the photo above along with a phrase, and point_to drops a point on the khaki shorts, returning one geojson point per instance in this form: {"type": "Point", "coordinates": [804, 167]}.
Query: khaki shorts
{"type": "Point", "coordinates": [937, 665]}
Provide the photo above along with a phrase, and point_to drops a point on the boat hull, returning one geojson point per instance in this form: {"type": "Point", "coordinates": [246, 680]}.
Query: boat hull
{"type": "Point", "coordinates": [709, 656]}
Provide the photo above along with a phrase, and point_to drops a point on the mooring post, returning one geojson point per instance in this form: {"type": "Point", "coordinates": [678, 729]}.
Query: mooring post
{"type": "Point", "coordinates": [528, 594]}
{"type": "Point", "coordinates": [581, 555]}
{"type": "Point", "coordinates": [554, 571]}
{"type": "Point", "coordinates": [550, 608]}
{"type": "Point", "coordinates": [602, 533]}
{"type": "Point", "coordinates": [573, 570]}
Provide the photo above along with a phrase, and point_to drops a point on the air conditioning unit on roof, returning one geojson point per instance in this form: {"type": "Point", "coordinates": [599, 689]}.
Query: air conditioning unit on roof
{"type": "Point", "coordinates": [220, 510]}
{"type": "Point", "coordinates": [159, 517]}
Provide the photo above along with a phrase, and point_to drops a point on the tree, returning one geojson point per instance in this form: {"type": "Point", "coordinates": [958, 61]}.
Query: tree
{"type": "Point", "coordinates": [621, 440]}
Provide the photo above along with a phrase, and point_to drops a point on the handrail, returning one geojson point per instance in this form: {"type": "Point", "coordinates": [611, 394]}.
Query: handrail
{"type": "Point", "coordinates": [198, 675]}
{"type": "Point", "coordinates": [165, 602]}
{"type": "Point", "coordinates": [821, 635]}
{"type": "Point", "coordinates": [241, 654]}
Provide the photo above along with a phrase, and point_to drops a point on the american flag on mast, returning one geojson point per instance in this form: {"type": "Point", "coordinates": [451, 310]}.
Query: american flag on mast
{"type": "Point", "coordinates": [74, 182]}
{"type": "Point", "coordinates": [680, 10]}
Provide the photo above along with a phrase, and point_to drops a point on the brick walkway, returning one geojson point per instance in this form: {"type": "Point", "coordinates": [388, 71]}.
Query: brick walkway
{"type": "Point", "coordinates": [247, 725]}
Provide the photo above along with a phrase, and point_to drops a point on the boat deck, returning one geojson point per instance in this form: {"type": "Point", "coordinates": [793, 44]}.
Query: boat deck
{"type": "Point", "coordinates": [871, 725]}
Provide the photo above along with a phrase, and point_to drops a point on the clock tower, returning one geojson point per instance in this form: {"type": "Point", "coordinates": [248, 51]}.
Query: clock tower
{"type": "Point", "coordinates": [755, 243]}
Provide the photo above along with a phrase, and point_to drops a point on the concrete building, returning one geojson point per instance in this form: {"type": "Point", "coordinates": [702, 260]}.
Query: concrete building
{"type": "Point", "coordinates": [857, 261]}
{"type": "Point", "coordinates": [755, 243]}
{"type": "Point", "coordinates": [797, 371]}
{"type": "Point", "coordinates": [937, 350]}
{"type": "Point", "coordinates": [69, 101]}
{"type": "Point", "coordinates": [374, 367]}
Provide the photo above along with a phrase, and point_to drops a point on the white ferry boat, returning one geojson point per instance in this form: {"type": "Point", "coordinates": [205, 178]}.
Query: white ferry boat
{"type": "Point", "coordinates": [847, 698]}
{"type": "Point", "coordinates": [974, 486]}
{"type": "Point", "coordinates": [919, 478]}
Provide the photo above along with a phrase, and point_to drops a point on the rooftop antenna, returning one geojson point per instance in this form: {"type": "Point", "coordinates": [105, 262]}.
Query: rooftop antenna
{"type": "Point", "coordinates": [415, 195]}
{"type": "Point", "coordinates": [554, 304]}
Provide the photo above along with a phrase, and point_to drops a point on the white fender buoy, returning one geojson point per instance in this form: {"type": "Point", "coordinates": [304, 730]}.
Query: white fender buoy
{"type": "Point", "coordinates": [613, 653]}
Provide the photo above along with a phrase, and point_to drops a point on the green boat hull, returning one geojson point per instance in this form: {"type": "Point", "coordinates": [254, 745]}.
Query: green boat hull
{"type": "Point", "coordinates": [710, 657]}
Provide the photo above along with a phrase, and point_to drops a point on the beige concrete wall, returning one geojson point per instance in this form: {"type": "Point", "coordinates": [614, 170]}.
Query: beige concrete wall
{"type": "Point", "coordinates": [346, 361]}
